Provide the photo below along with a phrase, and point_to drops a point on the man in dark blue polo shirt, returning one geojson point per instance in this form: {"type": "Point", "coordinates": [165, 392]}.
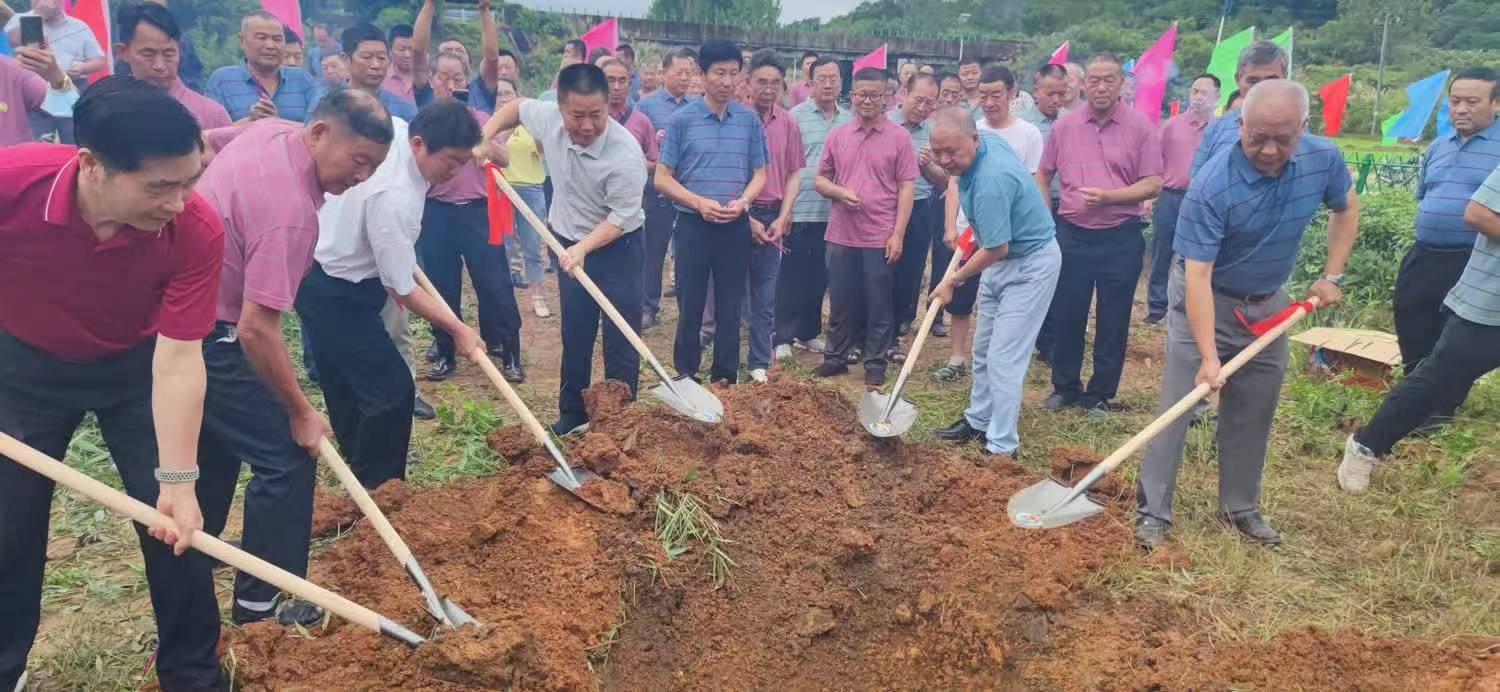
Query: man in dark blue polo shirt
{"type": "Point", "coordinates": [677, 69]}
{"type": "Point", "coordinates": [260, 87]}
{"type": "Point", "coordinates": [1241, 224]}
{"type": "Point", "coordinates": [713, 165]}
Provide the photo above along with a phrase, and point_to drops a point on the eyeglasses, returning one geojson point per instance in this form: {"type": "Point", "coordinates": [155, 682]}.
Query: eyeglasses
{"type": "Point", "coordinates": [866, 95]}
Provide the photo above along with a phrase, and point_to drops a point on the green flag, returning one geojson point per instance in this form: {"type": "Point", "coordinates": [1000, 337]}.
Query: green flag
{"type": "Point", "coordinates": [1386, 127]}
{"type": "Point", "coordinates": [1285, 41]}
{"type": "Point", "coordinates": [1226, 58]}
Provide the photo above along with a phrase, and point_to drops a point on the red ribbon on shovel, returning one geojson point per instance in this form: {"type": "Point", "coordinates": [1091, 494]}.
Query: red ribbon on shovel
{"type": "Point", "coordinates": [502, 214]}
{"type": "Point", "coordinates": [966, 243]}
{"type": "Point", "coordinates": [1269, 323]}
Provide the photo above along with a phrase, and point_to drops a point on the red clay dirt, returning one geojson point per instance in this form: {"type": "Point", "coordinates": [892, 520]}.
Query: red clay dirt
{"type": "Point", "coordinates": [858, 563]}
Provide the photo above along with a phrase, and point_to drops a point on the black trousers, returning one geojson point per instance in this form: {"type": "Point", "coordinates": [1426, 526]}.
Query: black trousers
{"type": "Point", "coordinates": [42, 402]}
{"type": "Point", "coordinates": [906, 283]}
{"type": "Point", "coordinates": [455, 236]}
{"type": "Point", "coordinates": [616, 269]}
{"type": "Point", "coordinates": [1428, 273]}
{"type": "Point", "coordinates": [859, 302]}
{"type": "Point", "coordinates": [661, 217]}
{"type": "Point", "coordinates": [243, 422]}
{"type": "Point", "coordinates": [802, 284]}
{"type": "Point", "coordinates": [1465, 352]}
{"type": "Point", "coordinates": [720, 251]}
{"type": "Point", "coordinates": [365, 382]}
{"type": "Point", "coordinates": [1107, 262]}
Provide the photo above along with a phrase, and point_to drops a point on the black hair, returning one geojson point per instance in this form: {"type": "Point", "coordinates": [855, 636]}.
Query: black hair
{"type": "Point", "coordinates": [767, 57]}
{"type": "Point", "coordinates": [911, 82]}
{"type": "Point", "coordinates": [445, 125]}
{"type": "Point", "coordinates": [398, 31]}
{"type": "Point", "coordinates": [131, 16]}
{"type": "Point", "coordinates": [821, 62]}
{"type": "Point", "coordinates": [599, 52]}
{"type": "Point", "coordinates": [126, 121]}
{"type": "Point", "coordinates": [514, 87]}
{"type": "Point", "coordinates": [970, 60]}
{"type": "Point", "coordinates": [870, 74]}
{"type": "Point", "coordinates": [578, 45]}
{"type": "Point", "coordinates": [680, 54]}
{"type": "Point", "coordinates": [625, 49]}
{"type": "Point", "coordinates": [1481, 74]}
{"type": "Point", "coordinates": [360, 112]}
{"type": "Point", "coordinates": [507, 53]}
{"type": "Point", "coordinates": [717, 50]}
{"type": "Point", "coordinates": [998, 73]}
{"type": "Point", "coordinates": [290, 36]}
{"type": "Point", "coordinates": [1052, 70]}
{"type": "Point", "coordinates": [945, 76]}
{"type": "Point", "coordinates": [809, 54]}
{"type": "Point", "coordinates": [1233, 96]}
{"type": "Point", "coordinates": [1210, 78]}
{"type": "Point", "coordinates": [582, 79]}
{"type": "Point", "coordinates": [357, 34]}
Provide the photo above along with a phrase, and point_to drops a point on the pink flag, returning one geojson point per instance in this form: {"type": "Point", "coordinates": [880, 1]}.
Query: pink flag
{"type": "Point", "coordinates": [1059, 56]}
{"type": "Point", "coordinates": [875, 59]}
{"type": "Point", "coordinates": [95, 13]}
{"type": "Point", "coordinates": [605, 34]}
{"type": "Point", "coordinates": [1151, 73]}
{"type": "Point", "coordinates": [288, 11]}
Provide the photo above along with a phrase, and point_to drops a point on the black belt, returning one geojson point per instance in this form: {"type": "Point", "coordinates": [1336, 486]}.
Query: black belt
{"type": "Point", "coordinates": [766, 207]}
{"type": "Point", "coordinates": [462, 203]}
{"type": "Point", "coordinates": [1242, 297]}
{"type": "Point", "coordinates": [1444, 248]}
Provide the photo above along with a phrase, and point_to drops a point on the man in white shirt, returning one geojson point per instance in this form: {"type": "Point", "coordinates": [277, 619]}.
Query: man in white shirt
{"type": "Point", "coordinates": [76, 51]}
{"type": "Point", "coordinates": [367, 251]}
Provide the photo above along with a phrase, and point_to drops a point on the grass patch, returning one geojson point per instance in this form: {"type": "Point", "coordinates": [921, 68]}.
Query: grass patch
{"type": "Point", "coordinates": [681, 520]}
{"type": "Point", "coordinates": [455, 447]}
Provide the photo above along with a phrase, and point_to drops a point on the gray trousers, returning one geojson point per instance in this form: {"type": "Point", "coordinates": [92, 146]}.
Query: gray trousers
{"type": "Point", "coordinates": [1247, 403]}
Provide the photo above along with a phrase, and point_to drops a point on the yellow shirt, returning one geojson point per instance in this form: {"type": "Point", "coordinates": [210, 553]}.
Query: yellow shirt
{"type": "Point", "coordinates": [525, 163]}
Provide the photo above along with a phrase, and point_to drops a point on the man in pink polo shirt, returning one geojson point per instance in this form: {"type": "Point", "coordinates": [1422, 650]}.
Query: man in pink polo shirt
{"type": "Point", "coordinates": [23, 90]}
{"type": "Point", "coordinates": [869, 170]}
{"type": "Point", "coordinates": [618, 76]}
{"type": "Point", "coordinates": [1107, 157]}
{"type": "Point", "coordinates": [151, 43]}
{"type": "Point", "coordinates": [771, 211]}
{"type": "Point", "coordinates": [1179, 140]}
{"type": "Point", "coordinates": [266, 187]}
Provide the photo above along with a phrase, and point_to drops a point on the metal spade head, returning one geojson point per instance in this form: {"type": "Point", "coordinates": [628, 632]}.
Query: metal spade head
{"type": "Point", "coordinates": [872, 414]}
{"type": "Point", "coordinates": [456, 616]}
{"type": "Point", "coordinates": [571, 482]}
{"type": "Point", "coordinates": [441, 609]}
{"type": "Point", "coordinates": [1047, 504]}
{"type": "Point", "coordinates": [690, 399]}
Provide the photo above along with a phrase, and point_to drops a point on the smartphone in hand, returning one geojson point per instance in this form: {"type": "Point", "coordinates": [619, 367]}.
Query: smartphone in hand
{"type": "Point", "coordinates": [31, 31]}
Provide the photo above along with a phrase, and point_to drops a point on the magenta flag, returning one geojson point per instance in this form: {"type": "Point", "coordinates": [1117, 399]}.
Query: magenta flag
{"type": "Point", "coordinates": [875, 59]}
{"type": "Point", "coordinates": [1059, 56]}
{"type": "Point", "coordinates": [1151, 73]}
{"type": "Point", "coordinates": [288, 11]}
{"type": "Point", "coordinates": [605, 34]}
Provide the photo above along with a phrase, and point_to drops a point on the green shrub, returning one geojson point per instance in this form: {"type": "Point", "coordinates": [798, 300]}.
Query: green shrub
{"type": "Point", "coordinates": [1386, 222]}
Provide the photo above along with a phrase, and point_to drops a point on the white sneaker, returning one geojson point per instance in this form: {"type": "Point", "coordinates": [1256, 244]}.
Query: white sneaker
{"type": "Point", "coordinates": [21, 684]}
{"type": "Point", "coordinates": [814, 344]}
{"type": "Point", "coordinates": [784, 352]}
{"type": "Point", "coordinates": [539, 306]}
{"type": "Point", "coordinates": [1355, 469]}
{"type": "Point", "coordinates": [759, 375]}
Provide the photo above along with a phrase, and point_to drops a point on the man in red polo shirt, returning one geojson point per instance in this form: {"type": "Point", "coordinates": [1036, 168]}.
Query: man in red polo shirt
{"type": "Point", "coordinates": [109, 264]}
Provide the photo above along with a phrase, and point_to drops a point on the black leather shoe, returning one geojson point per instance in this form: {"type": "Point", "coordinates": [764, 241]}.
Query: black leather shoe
{"type": "Point", "coordinates": [1155, 318]}
{"type": "Point", "coordinates": [421, 410]}
{"type": "Point", "coordinates": [512, 370]}
{"type": "Point", "coordinates": [874, 378]}
{"type": "Point", "coordinates": [1150, 532]}
{"type": "Point", "coordinates": [1058, 402]}
{"type": "Point", "coordinates": [830, 369]}
{"type": "Point", "coordinates": [568, 426]}
{"type": "Point", "coordinates": [442, 370]}
{"type": "Point", "coordinates": [497, 353]}
{"type": "Point", "coordinates": [1253, 527]}
{"type": "Point", "coordinates": [287, 613]}
{"type": "Point", "coordinates": [432, 354]}
{"type": "Point", "coordinates": [959, 432]}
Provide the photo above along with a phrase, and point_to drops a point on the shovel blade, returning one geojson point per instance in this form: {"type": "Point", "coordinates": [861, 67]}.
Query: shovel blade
{"type": "Point", "coordinates": [690, 399]}
{"type": "Point", "coordinates": [872, 414]}
{"type": "Point", "coordinates": [1036, 507]}
{"type": "Point", "coordinates": [581, 475]}
{"type": "Point", "coordinates": [456, 616]}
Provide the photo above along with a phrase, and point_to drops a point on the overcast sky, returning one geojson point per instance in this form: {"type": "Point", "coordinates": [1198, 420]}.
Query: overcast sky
{"type": "Point", "coordinates": [791, 10]}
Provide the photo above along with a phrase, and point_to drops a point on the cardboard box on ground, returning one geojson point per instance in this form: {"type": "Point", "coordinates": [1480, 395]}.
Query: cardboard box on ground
{"type": "Point", "coordinates": [1358, 357]}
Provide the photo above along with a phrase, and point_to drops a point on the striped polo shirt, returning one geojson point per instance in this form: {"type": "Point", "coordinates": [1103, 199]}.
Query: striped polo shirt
{"type": "Point", "coordinates": [1220, 133]}
{"type": "Point", "coordinates": [1476, 296]}
{"type": "Point", "coordinates": [1249, 224]}
{"type": "Point", "coordinates": [714, 157]}
{"type": "Point", "coordinates": [659, 107]}
{"type": "Point", "coordinates": [1452, 170]}
{"type": "Point", "coordinates": [921, 136]}
{"type": "Point", "coordinates": [811, 207]}
{"type": "Point", "coordinates": [237, 91]}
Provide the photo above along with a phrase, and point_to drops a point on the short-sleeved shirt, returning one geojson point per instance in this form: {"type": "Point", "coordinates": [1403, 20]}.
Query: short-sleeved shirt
{"type": "Point", "coordinates": [207, 111]}
{"type": "Point", "coordinates": [1221, 134]}
{"type": "Point", "coordinates": [469, 183]}
{"type": "Point", "coordinates": [999, 197]}
{"type": "Point", "coordinates": [1179, 143]}
{"type": "Point", "coordinates": [1043, 124]}
{"type": "Point", "coordinates": [235, 88]}
{"type": "Point", "coordinates": [783, 153]}
{"type": "Point", "coordinates": [80, 300]}
{"type": "Point", "coordinates": [800, 92]}
{"type": "Point", "coordinates": [481, 96]}
{"type": "Point", "coordinates": [1116, 153]}
{"type": "Point", "coordinates": [1250, 224]}
{"type": "Point", "coordinates": [70, 40]}
{"type": "Point", "coordinates": [872, 161]}
{"type": "Point", "coordinates": [371, 230]}
{"type": "Point", "coordinates": [1452, 170]}
{"type": "Point", "coordinates": [21, 91]}
{"type": "Point", "coordinates": [599, 182]}
{"type": "Point", "coordinates": [1476, 296]}
{"type": "Point", "coordinates": [714, 157]}
{"type": "Point", "coordinates": [639, 125]}
{"type": "Point", "coordinates": [525, 161]}
{"type": "Point", "coordinates": [396, 84]}
{"type": "Point", "coordinates": [814, 126]}
{"type": "Point", "coordinates": [660, 106]}
{"type": "Point", "coordinates": [921, 136]}
{"type": "Point", "coordinates": [265, 189]}
{"type": "Point", "coordinates": [1025, 140]}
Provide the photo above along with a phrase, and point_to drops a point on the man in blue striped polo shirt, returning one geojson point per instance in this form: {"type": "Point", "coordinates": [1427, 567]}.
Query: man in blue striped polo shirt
{"type": "Point", "coordinates": [1241, 224]}
{"type": "Point", "coordinates": [1259, 62]}
{"type": "Point", "coordinates": [712, 166]}
{"type": "Point", "coordinates": [260, 87]}
{"type": "Point", "coordinates": [1465, 352]}
{"type": "Point", "coordinates": [677, 70]}
{"type": "Point", "coordinates": [1453, 168]}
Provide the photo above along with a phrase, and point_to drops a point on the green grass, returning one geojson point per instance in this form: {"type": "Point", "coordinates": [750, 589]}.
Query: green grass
{"type": "Point", "coordinates": [682, 520]}
{"type": "Point", "coordinates": [1351, 145]}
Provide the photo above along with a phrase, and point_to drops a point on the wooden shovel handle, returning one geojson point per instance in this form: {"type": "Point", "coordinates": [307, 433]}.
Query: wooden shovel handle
{"type": "Point", "coordinates": [128, 506]}
{"type": "Point", "coordinates": [933, 308]}
{"type": "Point", "coordinates": [362, 499]}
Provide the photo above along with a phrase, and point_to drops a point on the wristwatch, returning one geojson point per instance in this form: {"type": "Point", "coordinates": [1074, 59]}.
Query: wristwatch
{"type": "Point", "coordinates": [1335, 279]}
{"type": "Point", "coordinates": [174, 476]}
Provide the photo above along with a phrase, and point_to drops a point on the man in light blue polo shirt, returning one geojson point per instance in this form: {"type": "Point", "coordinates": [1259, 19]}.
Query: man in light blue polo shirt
{"type": "Point", "coordinates": [712, 166]}
{"type": "Point", "coordinates": [260, 87]}
{"type": "Point", "coordinates": [1241, 225]}
{"type": "Point", "coordinates": [1020, 260]}
{"type": "Point", "coordinates": [677, 70]}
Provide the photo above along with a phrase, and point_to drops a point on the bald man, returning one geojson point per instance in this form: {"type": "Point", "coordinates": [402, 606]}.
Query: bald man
{"type": "Point", "coordinates": [1241, 224]}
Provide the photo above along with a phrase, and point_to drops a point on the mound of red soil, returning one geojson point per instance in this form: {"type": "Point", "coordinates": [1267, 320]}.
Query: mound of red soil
{"type": "Point", "coordinates": [1071, 464]}
{"type": "Point", "coordinates": [334, 510]}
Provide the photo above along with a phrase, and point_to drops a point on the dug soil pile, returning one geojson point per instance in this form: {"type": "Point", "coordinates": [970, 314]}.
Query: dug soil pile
{"type": "Point", "coordinates": [852, 563]}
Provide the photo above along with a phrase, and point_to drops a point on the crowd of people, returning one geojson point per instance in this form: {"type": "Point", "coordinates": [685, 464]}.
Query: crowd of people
{"type": "Point", "coordinates": [154, 243]}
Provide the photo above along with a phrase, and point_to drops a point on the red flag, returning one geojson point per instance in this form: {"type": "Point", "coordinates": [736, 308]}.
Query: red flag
{"type": "Point", "coordinates": [605, 34]}
{"type": "Point", "coordinates": [1260, 328]}
{"type": "Point", "coordinates": [1059, 56]}
{"type": "Point", "coordinates": [288, 11]}
{"type": "Point", "coordinates": [1151, 73]}
{"type": "Point", "coordinates": [1335, 95]}
{"type": "Point", "coordinates": [967, 244]}
{"type": "Point", "coordinates": [1176, 104]}
{"type": "Point", "coordinates": [95, 13]}
{"type": "Point", "coordinates": [502, 213]}
{"type": "Point", "coordinates": [875, 59]}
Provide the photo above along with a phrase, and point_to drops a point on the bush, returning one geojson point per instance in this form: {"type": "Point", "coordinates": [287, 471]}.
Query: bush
{"type": "Point", "coordinates": [1386, 222]}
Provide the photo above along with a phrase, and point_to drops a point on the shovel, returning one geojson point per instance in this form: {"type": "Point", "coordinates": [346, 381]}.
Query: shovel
{"type": "Point", "coordinates": [219, 550]}
{"type": "Point", "coordinates": [681, 393]}
{"type": "Point", "coordinates": [441, 609]}
{"type": "Point", "coordinates": [889, 415]}
{"type": "Point", "coordinates": [1049, 503]}
{"type": "Point", "coordinates": [565, 475]}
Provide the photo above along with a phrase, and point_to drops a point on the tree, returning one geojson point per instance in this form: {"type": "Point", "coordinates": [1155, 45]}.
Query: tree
{"type": "Point", "coordinates": [751, 13]}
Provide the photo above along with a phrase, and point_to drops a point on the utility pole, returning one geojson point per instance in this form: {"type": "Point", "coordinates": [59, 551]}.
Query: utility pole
{"type": "Point", "coordinates": [1380, 74]}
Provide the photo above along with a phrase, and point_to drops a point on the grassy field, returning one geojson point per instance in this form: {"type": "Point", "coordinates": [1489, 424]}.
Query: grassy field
{"type": "Point", "coordinates": [1360, 145]}
{"type": "Point", "coordinates": [1419, 555]}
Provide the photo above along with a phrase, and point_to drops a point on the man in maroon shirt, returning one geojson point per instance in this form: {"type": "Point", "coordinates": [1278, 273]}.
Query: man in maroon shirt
{"type": "Point", "coordinates": [771, 210]}
{"type": "Point", "coordinates": [116, 221]}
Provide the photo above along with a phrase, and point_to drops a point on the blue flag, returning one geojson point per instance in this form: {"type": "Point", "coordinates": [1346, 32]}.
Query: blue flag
{"type": "Point", "coordinates": [1422, 95]}
{"type": "Point", "coordinates": [1444, 123]}
{"type": "Point", "coordinates": [5, 45]}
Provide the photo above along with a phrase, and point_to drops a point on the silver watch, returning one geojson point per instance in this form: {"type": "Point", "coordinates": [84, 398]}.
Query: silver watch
{"type": "Point", "coordinates": [174, 476]}
{"type": "Point", "coordinates": [1335, 279]}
